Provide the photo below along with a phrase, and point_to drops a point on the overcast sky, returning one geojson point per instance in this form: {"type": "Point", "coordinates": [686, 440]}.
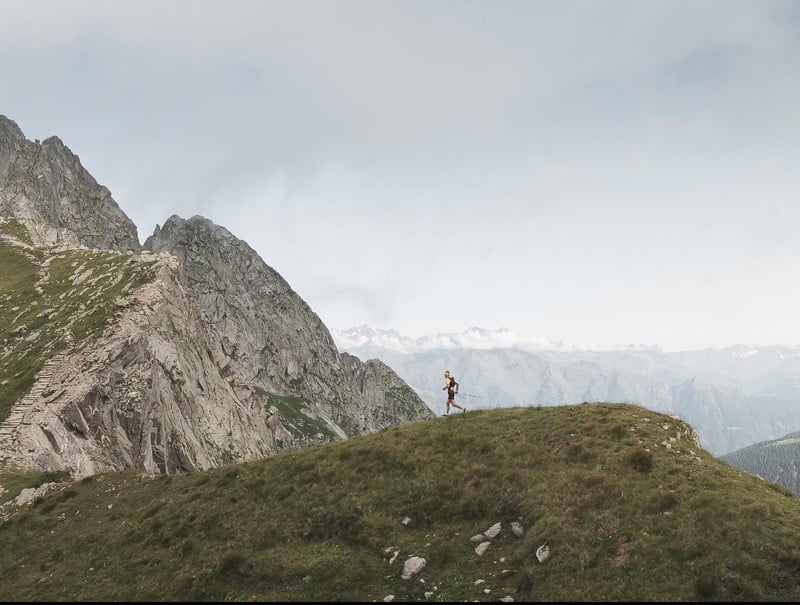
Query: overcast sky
{"type": "Point", "coordinates": [599, 172]}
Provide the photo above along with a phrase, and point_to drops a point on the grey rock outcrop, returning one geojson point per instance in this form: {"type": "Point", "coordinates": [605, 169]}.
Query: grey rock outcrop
{"type": "Point", "coordinates": [26, 497]}
{"type": "Point", "coordinates": [45, 187]}
{"type": "Point", "coordinates": [274, 340]}
{"type": "Point", "coordinates": [388, 398]}
{"type": "Point", "coordinates": [151, 393]}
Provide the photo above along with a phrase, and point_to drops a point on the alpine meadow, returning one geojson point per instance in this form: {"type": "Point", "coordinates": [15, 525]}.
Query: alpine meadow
{"type": "Point", "coordinates": [618, 501]}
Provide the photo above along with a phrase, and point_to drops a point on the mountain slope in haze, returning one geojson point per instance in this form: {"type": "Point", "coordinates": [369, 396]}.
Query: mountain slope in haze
{"type": "Point", "coordinates": [777, 460]}
{"type": "Point", "coordinates": [733, 397]}
{"type": "Point", "coordinates": [187, 354]}
{"type": "Point", "coordinates": [589, 502]}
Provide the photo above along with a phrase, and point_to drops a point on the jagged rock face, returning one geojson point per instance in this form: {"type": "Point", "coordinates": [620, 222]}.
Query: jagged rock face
{"type": "Point", "coordinates": [388, 395]}
{"type": "Point", "coordinates": [45, 187]}
{"type": "Point", "coordinates": [152, 393]}
{"type": "Point", "coordinates": [272, 337]}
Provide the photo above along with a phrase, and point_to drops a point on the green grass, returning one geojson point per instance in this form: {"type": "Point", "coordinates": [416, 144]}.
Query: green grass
{"type": "Point", "coordinates": [14, 481]}
{"type": "Point", "coordinates": [303, 427]}
{"type": "Point", "coordinates": [16, 229]}
{"type": "Point", "coordinates": [79, 296]}
{"type": "Point", "coordinates": [20, 360]}
{"type": "Point", "coordinates": [626, 518]}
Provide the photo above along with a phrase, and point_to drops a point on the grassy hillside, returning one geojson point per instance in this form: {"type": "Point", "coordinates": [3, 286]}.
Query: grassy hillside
{"type": "Point", "coordinates": [628, 505]}
{"type": "Point", "coordinates": [48, 298]}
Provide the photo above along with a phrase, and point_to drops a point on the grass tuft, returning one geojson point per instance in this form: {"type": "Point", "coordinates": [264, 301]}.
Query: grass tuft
{"type": "Point", "coordinates": [640, 459]}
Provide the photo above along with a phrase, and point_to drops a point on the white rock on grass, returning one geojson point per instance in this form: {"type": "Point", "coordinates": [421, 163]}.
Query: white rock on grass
{"type": "Point", "coordinates": [481, 548]}
{"type": "Point", "coordinates": [542, 552]}
{"type": "Point", "coordinates": [413, 565]}
{"type": "Point", "coordinates": [493, 531]}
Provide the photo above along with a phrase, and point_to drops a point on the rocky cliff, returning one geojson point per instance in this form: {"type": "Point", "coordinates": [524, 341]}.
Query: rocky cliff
{"type": "Point", "coordinates": [150, 392]}
{"type": "Point", "coordinates": [273, 339]}
{"type": "Point", "coordinates": [45, 187]}
{"type": "Point", "coordinates": [187, 354]}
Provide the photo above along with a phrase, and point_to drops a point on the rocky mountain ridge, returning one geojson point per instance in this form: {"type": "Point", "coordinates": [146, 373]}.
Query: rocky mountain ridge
{"type": "Point", "coordinates": [186, 353]}
{"type": "Point", "coordinates": [45, 187]}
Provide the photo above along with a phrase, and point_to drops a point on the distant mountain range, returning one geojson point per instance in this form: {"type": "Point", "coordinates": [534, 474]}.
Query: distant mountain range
{"type": "Point", "coordinates": [733, 397]}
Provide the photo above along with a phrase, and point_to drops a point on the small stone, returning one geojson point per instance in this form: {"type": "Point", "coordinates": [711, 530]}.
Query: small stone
{"type": "Point", "coordinates": [413, 565]}
{"type": "Point", "coordinates": [542, 552]}
{"type": "Point", "coordinates": [493, 531]}
{"type": "Point", "coordinates": [481, 548]}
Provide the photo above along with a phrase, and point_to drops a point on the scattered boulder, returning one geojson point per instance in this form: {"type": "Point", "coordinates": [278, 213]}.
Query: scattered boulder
{"type": "Point", "coordinates": [413, 566]}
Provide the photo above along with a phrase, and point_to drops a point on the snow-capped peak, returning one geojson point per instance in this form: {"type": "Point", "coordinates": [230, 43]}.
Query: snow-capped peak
{"type": "Point", "coordinates": [364, 337]}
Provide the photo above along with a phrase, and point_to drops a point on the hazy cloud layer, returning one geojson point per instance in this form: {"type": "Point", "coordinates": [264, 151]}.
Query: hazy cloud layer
{"type": "Point", "coordinates": [606, 172]}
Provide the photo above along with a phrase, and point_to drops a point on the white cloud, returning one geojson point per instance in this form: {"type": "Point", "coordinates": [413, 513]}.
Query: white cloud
{"type": "Point", "coordinates": [621, 171]}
